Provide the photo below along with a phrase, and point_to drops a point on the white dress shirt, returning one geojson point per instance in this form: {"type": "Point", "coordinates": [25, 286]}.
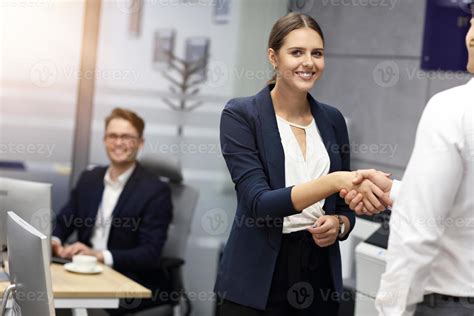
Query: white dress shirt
{"type": "Point", "coordinates": [110, 196]}
{"type": "Point", "coordinates": [430, 247]}
{"type": "Point", "coordinates": [395, 190]}
{"type": "Point", "coordinates": [298, 170]}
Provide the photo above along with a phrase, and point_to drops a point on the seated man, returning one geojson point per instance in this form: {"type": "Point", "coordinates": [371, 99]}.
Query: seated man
{"type": "Point", "coordinates": [121, 213]}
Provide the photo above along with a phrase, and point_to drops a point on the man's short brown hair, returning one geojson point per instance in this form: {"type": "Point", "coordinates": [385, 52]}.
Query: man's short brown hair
{"type": "Point", "coordinates": [128, 115]}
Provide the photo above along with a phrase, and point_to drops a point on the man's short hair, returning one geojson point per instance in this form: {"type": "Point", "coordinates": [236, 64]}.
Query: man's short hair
{"type": "Point", "coordinates": [128, 115]}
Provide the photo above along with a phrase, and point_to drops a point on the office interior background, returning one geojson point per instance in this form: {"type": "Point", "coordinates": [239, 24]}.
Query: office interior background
{"type": "Point", "coordinates": [65, 64]}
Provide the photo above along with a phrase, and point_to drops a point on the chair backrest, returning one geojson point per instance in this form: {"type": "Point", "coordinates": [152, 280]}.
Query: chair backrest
{"type": "Point", "coordinates": [184, 200]}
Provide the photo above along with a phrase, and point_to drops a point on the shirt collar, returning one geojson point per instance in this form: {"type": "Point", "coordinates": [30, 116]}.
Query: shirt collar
{"type": "Point", "coordinates": [121, 180]}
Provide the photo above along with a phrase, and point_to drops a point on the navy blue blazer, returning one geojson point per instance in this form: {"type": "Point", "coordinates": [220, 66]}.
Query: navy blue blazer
{"type": "Point", "coordinates": [139, 224]}
{"type": "Point", "coordinates": [251, 146]}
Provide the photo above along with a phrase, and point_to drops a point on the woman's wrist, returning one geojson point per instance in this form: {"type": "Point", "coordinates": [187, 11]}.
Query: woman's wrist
{"type": "Point", "coordinates": [335, 180]}
{"type": "Point", "coordinates": [341, 180]}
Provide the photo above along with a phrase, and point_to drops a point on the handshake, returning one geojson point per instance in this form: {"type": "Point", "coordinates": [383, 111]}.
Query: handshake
{"type": "Point", "coordinates": [369, 192]}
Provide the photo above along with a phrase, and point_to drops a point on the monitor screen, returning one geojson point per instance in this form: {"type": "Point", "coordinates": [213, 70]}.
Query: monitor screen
{"type": "Point", "coordinates": [28, 262]}
{"type": "Point", "coordinates": [29, 200]}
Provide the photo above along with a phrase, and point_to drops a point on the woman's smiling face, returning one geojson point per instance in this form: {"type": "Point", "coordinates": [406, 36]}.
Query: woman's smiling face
{"type": "Point", "coordinates": [300, 61]}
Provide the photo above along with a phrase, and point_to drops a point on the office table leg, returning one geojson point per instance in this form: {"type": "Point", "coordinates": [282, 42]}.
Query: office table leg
{"type": "Point", "coordinates": [79, 312]}
{"type": "Point", "coordinates": [177, 310]}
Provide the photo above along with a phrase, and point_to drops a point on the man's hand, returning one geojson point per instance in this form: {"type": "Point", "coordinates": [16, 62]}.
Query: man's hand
{"type": "Point", "coordinates": [379, 178]}
{"type": "Point", "coordinates": [56, 247]}
{"type": "Point", "coordinates": [326, 231]}
{"type": "Point", "coordinates": [78, 248]}
{"type": "Point", "coordinates": [370, 196]}
{"type": "Point", "coordinates": [358, 202]}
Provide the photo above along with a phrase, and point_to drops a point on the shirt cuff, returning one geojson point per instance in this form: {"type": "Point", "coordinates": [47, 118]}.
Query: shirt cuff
{"type": "Point", "coordinates": [54, 238]}
{"type": "Point", "coordinates": [396, 185]}
{"type": "Point", "coordinates": [108, 259]}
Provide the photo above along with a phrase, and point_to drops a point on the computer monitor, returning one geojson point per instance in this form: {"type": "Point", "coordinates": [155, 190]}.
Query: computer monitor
{"type": "Point", "coordinates": [28, 263]}
{"type": "Point", "coordinates": [30, 200]}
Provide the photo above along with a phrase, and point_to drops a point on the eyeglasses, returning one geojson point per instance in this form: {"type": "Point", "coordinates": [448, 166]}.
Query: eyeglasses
{"type": "Point", "coordinates": [126, 138]}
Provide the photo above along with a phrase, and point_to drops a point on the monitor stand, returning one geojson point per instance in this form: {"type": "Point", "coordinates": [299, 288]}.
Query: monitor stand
{"type": "Point", "coordinates": [4, 277]}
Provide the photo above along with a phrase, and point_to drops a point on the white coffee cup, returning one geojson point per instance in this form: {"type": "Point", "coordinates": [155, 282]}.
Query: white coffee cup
{"type": "Point", "coordinates": [84, 263]}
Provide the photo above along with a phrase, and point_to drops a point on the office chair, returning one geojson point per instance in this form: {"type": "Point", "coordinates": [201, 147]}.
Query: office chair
{"type": "Point", "coordinates": [184, 200]}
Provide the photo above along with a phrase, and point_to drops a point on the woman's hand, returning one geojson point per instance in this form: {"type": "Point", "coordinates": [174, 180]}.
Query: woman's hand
{"type": "Point", "coordinates": [326, 230]}
{"type": "Point", "coordinates": [369, 194]}
{"type": "Point", "coordinates": [358, 202]}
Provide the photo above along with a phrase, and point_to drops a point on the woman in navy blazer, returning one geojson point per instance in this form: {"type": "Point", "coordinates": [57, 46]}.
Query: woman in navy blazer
{"type": "Point", "coordinates": [263, 271]}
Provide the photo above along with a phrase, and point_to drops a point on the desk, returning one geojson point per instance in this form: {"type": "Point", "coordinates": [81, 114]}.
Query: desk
{"type": "Point", "coordinates": [79, 291]}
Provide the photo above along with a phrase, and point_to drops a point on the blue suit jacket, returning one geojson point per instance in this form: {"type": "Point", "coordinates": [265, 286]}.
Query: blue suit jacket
{"type": "Point", "coordinates": [252, 149]}
{"type": "Point", "coordinates": [138, 228]}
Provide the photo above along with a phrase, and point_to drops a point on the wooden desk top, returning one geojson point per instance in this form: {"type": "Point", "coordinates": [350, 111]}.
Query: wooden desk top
{"type": "Point", "coordinates": [108, 284]}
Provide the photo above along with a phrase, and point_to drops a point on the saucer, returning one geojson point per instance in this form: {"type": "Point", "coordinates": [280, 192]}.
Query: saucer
{"type": "Point", "coordinates": [72, 268]}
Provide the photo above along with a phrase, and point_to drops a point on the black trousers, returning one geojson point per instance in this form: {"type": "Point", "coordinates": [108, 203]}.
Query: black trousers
{"type": "Point", "coordinates": [301, 284]}
{"type": "Point", "coordinates": [134, 305]}
{"type": "Point", "coordinates": [440, 305]}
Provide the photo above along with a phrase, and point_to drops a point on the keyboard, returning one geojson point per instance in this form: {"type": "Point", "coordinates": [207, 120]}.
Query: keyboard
{"type": "Point", "coordinates": [60, 260]}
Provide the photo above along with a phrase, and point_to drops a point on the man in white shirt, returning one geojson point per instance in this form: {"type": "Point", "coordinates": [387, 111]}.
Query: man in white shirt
{"type": "Point", "coordinates": [121, 212]}
{"type": "Point", "coordinates": [430, 256]}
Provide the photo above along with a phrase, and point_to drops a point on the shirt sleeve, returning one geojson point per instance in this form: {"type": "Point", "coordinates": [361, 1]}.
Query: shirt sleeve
{"type": "Point", "coordinates": [429, 187]}
{"type": "Point", "coordinates": [396, 185]}
{"type": "Point", "coordinates": [108, 259]}
{"type": "Point", "coordinates": [56, 239]}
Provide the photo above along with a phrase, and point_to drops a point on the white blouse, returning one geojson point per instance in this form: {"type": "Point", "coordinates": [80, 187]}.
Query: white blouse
{"type": "Point", "coordinates": [298, 170]}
